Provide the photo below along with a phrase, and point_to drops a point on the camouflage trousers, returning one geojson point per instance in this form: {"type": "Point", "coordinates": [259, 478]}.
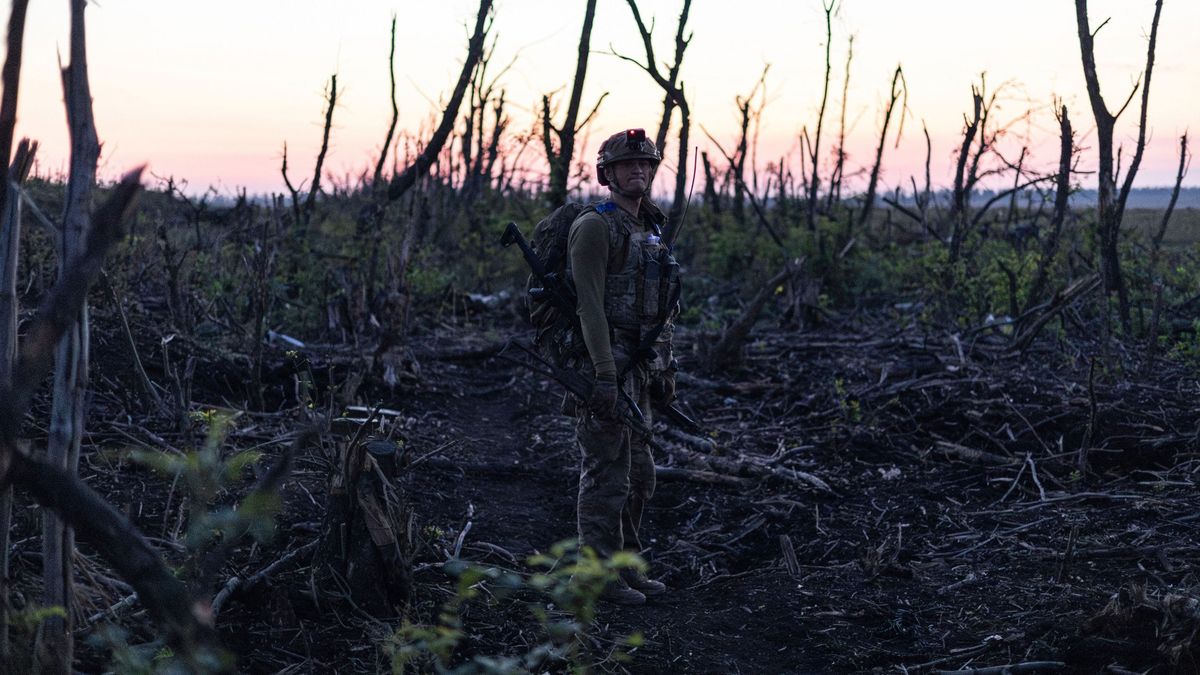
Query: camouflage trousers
{"type": "Point", "coordinates": [616, 476]}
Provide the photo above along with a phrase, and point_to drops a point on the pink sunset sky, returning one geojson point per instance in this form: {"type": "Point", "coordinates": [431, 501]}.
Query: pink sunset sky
{"type": "Point", "coordinates": [209, 92]}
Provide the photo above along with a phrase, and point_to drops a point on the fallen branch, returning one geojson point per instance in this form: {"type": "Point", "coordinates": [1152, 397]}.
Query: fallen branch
{"type": "Point", "coordinates": [467, 353]}
{"type": "Point", "coordinates": [728, 349]}
{"type": "Point", "coordinates": [677, 474]}
{"type": "Point", "coordinates": [117, 607]}
{"type": "Point", "coordinates": [700, 443]}
{"type": "Point", "coordinates": [973, 455]}
{"type": "Point", "coordinates": [1014, 668]}
{"type": "Point", "coordinates": [1040, 315]}
{"type": "Point", "coordinates": [749, 469]}
{"type": "Point", "coordinates": [121, 545]}
{"type": "Point", "coordinates": [237, 583]}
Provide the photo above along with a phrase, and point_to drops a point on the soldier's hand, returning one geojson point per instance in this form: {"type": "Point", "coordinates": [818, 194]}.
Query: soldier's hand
{"type": "Point", "coordinates": [603, 400]}
{"type": "Point", "coordinates": [662, 387]}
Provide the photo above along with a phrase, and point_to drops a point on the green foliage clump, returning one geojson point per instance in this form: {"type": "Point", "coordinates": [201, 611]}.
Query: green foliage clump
{"type": "Point", "coordinates": [565, 587]}
{"type": "Point", "coordinates": [154, 658]}
{"type": "Point", "coordinates": [207, 475]}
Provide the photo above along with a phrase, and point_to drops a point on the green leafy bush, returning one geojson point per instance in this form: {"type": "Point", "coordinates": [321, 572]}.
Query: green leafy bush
{"type": "Point", "coordinates": [561, 594]}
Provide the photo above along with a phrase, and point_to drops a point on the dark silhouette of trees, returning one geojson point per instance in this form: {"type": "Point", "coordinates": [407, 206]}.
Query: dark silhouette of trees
{"type": "Point", "coordinates": [673, 98]}
{"type": "Point", "coordinates": [560, 158]}
{"type": "Point", "coordinates": [1111, 207]}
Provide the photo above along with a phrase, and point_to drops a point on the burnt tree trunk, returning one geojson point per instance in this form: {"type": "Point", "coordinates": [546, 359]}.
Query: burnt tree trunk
{"type": "Point", "coordinates": [873, 182]}
{"type": "Point", "coordinates": [814, 182]}
{"type": "Point", "coordinates": [1156, 245]}
{"type": "Point", "coordinates": [71, 356]}
{"type": "Point", "coordinates": [9, 234]}
{"type": "Point", "coordinates": [1111, 200]}
{"type": "Point", "coordinates": [10, 244]}
{"type": "Point", "coordinates": [961, 197]}
{"type": "Point", "coordinates": [55, 488]}
{"type": "Point", "coordinates": [673, 98]}
{"type": "Point", "coordinates": [560, 159]}
{"type": "Point", "coordinates": [1061, 208]}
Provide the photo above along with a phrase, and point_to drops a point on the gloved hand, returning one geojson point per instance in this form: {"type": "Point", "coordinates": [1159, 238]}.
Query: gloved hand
{"type": "Point", "coordinates": [662, 387]}
{"type": "Point", "coordinates": [603, 400]}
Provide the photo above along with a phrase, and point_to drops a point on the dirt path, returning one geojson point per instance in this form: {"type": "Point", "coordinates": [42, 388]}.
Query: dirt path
{"type": "Point", "coordinates": [918, 561]}
{"type": "Point", "coordinates": [516, 472]}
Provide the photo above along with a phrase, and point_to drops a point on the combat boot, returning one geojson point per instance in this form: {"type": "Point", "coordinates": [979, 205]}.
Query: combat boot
{"type": "Point", "coordinates": [618, 592]}
{"type": "Point", "coordinates": [641, 583]}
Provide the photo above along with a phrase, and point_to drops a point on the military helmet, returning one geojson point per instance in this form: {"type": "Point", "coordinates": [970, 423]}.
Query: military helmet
{"type": "Point", "coordinates": [624, 145]}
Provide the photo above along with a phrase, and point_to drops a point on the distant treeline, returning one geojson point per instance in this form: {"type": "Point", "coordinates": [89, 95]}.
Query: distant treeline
{"type": "Point", "coordinates": [1139, 198]}
{"type": "Point", "coordinates": [1146, 198]}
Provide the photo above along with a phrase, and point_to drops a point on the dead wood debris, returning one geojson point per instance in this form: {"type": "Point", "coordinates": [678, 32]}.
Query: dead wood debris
{"type": "Point", "coordinates": [896, 497]}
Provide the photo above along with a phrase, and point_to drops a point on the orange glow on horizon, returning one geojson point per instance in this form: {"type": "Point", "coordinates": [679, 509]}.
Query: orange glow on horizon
{"type": "Point", "coordinates": [211, 93]}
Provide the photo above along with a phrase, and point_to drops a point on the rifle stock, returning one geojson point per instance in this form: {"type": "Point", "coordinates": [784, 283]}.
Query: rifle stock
{"type": "Point", "coordinates": [553, 286]}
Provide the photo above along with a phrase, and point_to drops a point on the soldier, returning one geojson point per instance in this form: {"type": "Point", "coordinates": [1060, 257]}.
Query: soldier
{"type": "Point", "coordinates": [623, 277]}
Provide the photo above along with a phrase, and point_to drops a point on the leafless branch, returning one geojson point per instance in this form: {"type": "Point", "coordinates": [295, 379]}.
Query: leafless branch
{"type": "Point", "coordinates": [403, 181]}
{"type": "Point", "coordinates": [387, 139]}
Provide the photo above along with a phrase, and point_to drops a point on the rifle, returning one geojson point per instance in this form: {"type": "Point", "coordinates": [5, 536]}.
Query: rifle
{"type": "Point", "coordinates": [552, 285]}
{"type": "Point", "coordinates": [645, 349]}
{"type": "Point", "coordinates": [579, 386]}
{"type": "Point", "coordinates": [644, 353]}
{"type": "Point", "coordinates": [563, 297]}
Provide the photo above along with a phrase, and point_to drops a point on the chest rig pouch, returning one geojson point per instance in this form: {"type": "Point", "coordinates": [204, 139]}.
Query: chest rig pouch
{"type": "Point", "coordinates": [641, 289]}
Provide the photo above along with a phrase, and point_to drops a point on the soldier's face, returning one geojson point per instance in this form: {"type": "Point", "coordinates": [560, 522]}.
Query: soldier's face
{"type": "Point", "coordinates": [633, 174]}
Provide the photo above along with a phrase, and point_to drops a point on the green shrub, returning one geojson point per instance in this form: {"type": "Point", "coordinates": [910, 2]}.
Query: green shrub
{"type": "Point", "coordinates": [569, 578]}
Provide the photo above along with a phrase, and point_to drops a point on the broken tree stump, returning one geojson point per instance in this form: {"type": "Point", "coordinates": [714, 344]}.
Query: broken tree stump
{"type": "Point", "coordinates": [364, 550]}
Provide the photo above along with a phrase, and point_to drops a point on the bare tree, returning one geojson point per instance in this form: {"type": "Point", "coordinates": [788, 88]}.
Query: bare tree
{"type": "Point", "coordinates": [10, 242]}
{"type": "Point", "coordinates": [737, 161]}
{"type": "Point", "coordinates": [371, 217]}
{"type": "Point", "coordinates": [310, 201]}
{"type": "Point", "coordinates": [377, 177]}
{"type": "Point", "coordinates": [302, 211]}
{"type": "Point", "coordinates": [839, 168]}
{"type": "Point", "coordinates": [71, 357]}
{"type": "Point", "coordinates": [814, 147]}
{"type": "Point", "coordinates": [403, 181]}
{"type": "Point", "coordinates": [60, 490]}
{"type": "Point", "coordinates": [711, 199]}
{"type": "Point", "coordinates": [674, 97]}
{"type": "Point", "coordinates": [560, 159]}
{"type": "Point", "coordinates": [966, 167]}
{"type": "Point", "coordinates": [899, 86]}
{"type": "Point", "coordinates": [1062, 196]}
{"type": "Point", "coordinates": [11, 77]}
{"type": "Point", "coordinates": [1111, 206]}
{"type": "Point", "coordinates": [1185, 161]}
{"type": "Point", "coordinates": [759, 211]}
{"type": "Point", "coordinates": [9, 235]}
{"type": "Point", "coordinates": [924, 200]}
{"type": "Point", "coordinates": [480, 145]}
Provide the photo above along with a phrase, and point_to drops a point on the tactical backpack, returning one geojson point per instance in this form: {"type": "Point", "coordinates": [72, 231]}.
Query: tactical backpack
{"type": "Point", "coordinates": [555, 333]}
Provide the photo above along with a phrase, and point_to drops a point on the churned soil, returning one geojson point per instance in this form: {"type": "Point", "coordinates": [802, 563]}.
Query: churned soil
{"type": "Point", "coordinates": [959, 529]}
{"type": "Point", "coordinates": [894, 501]}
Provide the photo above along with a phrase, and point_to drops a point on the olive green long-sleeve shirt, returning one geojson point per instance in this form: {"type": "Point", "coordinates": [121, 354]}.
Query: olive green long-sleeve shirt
{"type": "Point", "coordinates": [587, 246]}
